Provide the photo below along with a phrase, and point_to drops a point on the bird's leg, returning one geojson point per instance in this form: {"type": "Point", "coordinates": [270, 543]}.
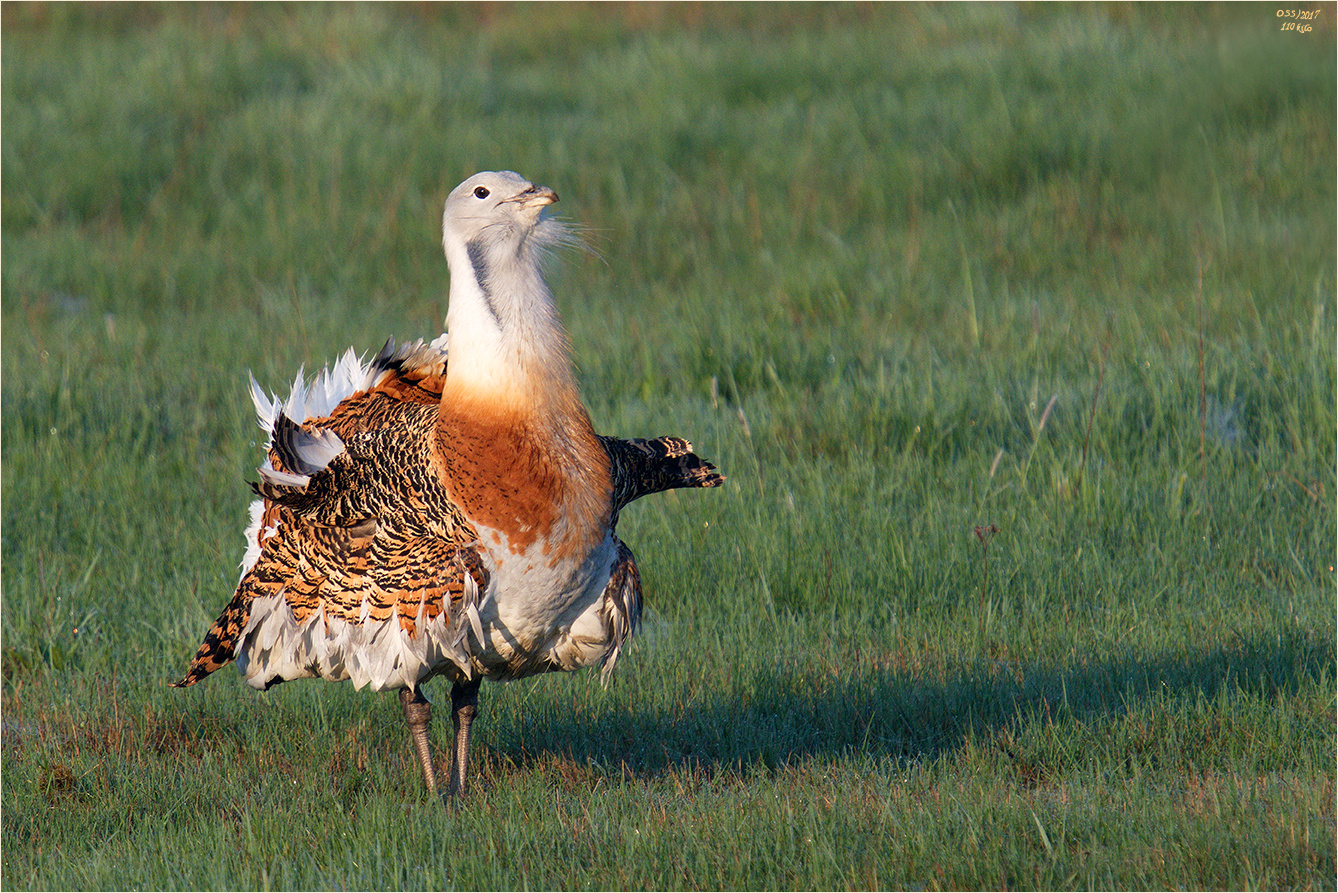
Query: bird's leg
{"type": "Point", "coordinates": [464, 706]}
{"type": "Point", "coordinates": [418, 713]}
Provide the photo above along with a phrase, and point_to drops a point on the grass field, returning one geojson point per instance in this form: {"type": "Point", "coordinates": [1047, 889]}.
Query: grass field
{"type": "Point", "coordinates": [1012, 326]}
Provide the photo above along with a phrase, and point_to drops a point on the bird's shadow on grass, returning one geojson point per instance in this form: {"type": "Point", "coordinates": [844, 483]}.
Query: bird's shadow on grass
{"type": "Point", "coordinates": [786, 714]}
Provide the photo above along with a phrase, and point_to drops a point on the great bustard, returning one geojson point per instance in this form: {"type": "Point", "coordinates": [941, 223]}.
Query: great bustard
{"type": "Point", "coordinates": [421, 517]}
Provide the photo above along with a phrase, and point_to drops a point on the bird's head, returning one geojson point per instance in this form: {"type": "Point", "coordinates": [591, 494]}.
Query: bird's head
{"type": "Point", "coordinates": [495, 207]}
{"type": "Point", "coordinates": [502, 319]}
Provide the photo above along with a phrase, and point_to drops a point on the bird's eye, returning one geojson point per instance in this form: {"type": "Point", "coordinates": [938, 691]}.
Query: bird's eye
{"type": "Point", "coordinates": [480, 192]}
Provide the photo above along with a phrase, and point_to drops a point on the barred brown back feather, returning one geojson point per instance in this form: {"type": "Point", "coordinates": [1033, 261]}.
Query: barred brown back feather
{"type": "Point", "coordinates": [217, 649]}
{"type": "Point", "coordinates": [374, 526]}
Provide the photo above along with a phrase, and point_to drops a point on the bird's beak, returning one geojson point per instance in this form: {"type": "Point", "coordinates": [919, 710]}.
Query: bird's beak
{"type": "Point", "coordinates": [536, 197]}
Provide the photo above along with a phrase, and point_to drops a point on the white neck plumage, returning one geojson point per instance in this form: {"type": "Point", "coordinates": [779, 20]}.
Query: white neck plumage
{"type": "Point", "coordinates": [507, 345]}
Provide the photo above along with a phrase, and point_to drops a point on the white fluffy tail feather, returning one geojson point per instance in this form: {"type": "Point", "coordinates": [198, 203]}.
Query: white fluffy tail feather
{"type": "Point", "coordinates": [349, 374]}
